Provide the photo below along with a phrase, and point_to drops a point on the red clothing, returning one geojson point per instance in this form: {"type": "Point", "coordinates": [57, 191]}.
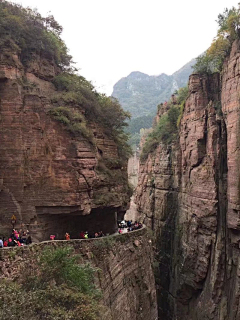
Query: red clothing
{"type": "Point", "coordinates": [5, 243]}
{"type": "Point", "coordinates": [82, 235]}
{"type": "Point", "coordinates": [67, 236]}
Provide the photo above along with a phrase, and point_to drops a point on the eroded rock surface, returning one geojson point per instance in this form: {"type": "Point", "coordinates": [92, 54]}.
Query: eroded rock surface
{"type": "Point", "coordinates": [125, 275]}
{"type": "Point", "coordinates": [189, 195]}
{"type": "Point", "coordinates": [50, 180]}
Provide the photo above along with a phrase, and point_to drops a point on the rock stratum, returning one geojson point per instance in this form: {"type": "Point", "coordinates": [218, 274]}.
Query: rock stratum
{"type": "Point", "coordinates": [188, 193]}
{"type": "Point", "coordinates": [51, 180]}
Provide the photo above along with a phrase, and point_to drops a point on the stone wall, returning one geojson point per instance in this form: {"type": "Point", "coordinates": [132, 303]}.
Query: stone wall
{"type": "Point", "coordinates": [125, 277]}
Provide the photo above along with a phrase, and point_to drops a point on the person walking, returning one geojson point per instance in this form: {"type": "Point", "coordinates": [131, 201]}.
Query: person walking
{"type": "Point", "coordinates": [67, 236]}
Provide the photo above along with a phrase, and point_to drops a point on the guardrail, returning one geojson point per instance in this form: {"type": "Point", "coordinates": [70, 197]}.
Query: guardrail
{"type": "Point", "coordinates": [116, 236]}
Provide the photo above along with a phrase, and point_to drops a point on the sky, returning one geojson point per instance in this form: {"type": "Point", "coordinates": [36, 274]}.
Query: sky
{"type": "Point", "coordinates": [109, 39]}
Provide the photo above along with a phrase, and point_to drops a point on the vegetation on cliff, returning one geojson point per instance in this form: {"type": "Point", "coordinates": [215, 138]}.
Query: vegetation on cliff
{"type": "Point", "coordinates": [140, 93]}
{"type": "Point", "coordinates": [229, 30]}
{"type": "Point", "coordinates": [76, 103]}
{"type": "Point", "coordinates": [26, 32]}
{"type": "Point", "coordinates": [166, 130]}
{"type": "Point", "coordinates": [59, 288]}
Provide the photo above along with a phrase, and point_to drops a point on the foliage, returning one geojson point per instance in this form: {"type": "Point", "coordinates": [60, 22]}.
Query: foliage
{"type": "Point", "coordinates": [27, 33]}
{"type": "Point", "coordinates": [105, 242]}
{"type": "Point", "coordinates": [229, 30]}
{"type": "Point", "coordinates": [63, 267]}
{"type": "Point", "coordinates": [182, 95]}
{"type": "Point", "coordinates": [139, 93]}
{"type": "Point", "coordinates": [61, 289]}
{"type": "Point", "coordinates": [73, 120]}
{"type": "Point", "coordinates": [75, 91]}
{"type": "Point", "coordinates": [136, 124]}
{"type": "Point", "coordinates": [134, 140]}
{"type": "Point", "coordinates": [166, 131]}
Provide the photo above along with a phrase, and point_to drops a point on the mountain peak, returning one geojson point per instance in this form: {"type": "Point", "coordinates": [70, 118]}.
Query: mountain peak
{"type": "Point", "coordinates": [140, 93]}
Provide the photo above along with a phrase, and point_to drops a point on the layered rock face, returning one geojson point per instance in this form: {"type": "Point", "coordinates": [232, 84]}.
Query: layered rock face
{"type": "Point", "coordinates": [50, 180]}
{"type": "Point", "coordinates": [189, 194]}
{"type": "Point", "coordinates": [125, 275]}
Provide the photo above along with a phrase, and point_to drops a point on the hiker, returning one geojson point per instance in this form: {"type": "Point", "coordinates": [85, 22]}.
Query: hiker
{"type": "Point", "coordinates": [82, 235]}
{"type": "Point", "coordinates": [1, 243]}
{"type": "Point", "coordinates": [29, 240]}
{"type": "Point", "coordinates": [86, 235]}
{"type": "Point", "coordinates": [24, 237]}
{"type": "Point", "coordinates": [67, 236]}
{"type": "Point", "coordinates": [52, 237]}
{"type": "Point", "coordinates": [10, 243]}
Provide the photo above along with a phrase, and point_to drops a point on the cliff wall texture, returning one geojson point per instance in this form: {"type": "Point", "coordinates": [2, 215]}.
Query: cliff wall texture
{"type": "Point", "coordinates": [189, 194]}
{"type": "Point", "coordinates": [51, 180]}
{"type": "Point", "coordinates": [125, 276]}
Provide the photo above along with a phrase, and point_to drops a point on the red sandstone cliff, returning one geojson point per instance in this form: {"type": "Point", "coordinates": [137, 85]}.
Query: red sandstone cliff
{"type": "Point", "coordinates": [189, 194]}
{"type": "Point", "coordinates": [51, 181]}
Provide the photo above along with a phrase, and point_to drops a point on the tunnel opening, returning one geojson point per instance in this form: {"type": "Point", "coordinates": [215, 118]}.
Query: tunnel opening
{"type": "Point", "coordinates": [48, 223]}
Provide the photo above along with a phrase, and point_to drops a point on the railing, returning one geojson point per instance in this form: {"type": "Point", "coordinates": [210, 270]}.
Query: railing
{"type": "Point", "coordinates": [115, 235]}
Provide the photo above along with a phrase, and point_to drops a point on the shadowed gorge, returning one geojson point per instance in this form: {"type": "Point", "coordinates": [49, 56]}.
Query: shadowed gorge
{"type": "Point", "coordinates": [188, 194]}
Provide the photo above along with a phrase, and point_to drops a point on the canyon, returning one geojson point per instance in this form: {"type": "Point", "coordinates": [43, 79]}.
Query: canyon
{"type": "Point", "coordinates": [188, 193]}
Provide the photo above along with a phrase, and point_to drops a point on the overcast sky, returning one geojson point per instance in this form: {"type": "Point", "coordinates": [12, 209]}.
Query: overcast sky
{"type": "Point", "coordinates": [109, 39]}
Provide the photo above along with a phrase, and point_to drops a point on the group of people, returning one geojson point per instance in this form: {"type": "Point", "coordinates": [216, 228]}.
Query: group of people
{"type": "Point", "coordinates": [82, 235]}
{"type": "Point", "coordinates": [21, 238]}
{"type": "Point", "coordinates": [16, 238]}
{"type": "Point", "coordinates": [130, 225]}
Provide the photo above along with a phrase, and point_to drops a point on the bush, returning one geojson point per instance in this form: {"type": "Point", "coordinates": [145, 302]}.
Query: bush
{"type": "Point", "coordinates": [74, 122]}
{"type": "Point", "coordinates": [75, 91]}
{"type": "Point", "coordinates": [26, 32]}
{"type": "Point", "coordinates": [63, 267]}
{"type": "Point", "coordinates": [60, 289]}
{"type": "Point", "coordinates": [229, 30]}
{"type": "Point", "coordinates": [166, 131]}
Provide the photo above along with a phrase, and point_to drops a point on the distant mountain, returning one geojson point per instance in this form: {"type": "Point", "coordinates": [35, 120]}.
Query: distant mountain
{"type": "Point", "coordinates": [140, 93]}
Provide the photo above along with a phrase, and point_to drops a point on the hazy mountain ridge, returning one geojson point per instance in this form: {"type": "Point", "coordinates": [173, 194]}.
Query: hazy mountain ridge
{"type": "Point", "coordinates": [140, 93]}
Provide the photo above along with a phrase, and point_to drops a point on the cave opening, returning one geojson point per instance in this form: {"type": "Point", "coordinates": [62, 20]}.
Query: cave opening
{"type": "Point", "coordinates": [48, 223]}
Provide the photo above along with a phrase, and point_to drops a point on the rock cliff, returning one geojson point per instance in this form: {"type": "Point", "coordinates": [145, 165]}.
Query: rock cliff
{"type": "Point", "coordinates": [188, 193]}
{"type": "Point", "coordinates": [124, 272]}
{"type": "Point", "coordinates": [51, 180]}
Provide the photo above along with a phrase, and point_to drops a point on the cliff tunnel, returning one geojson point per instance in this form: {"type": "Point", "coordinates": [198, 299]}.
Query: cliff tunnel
{"type": "Point", "coordinates": [58, 221]}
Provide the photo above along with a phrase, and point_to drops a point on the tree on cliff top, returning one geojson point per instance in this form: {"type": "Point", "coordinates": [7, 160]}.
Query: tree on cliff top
{"type": "Point", "coordinates": [26, 32]}
{"type": "Point", "coordinates": [229, 30]}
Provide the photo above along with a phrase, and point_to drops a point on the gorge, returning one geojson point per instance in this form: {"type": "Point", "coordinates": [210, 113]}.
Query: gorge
{"type": "Point", "coordinates": [188, 193]}
{"type": "Point", "coordinates": [63, 168]}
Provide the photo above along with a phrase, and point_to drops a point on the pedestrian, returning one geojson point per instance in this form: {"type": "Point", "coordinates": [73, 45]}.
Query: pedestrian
{"type": "Point", "coordinates": [67, 236]}
{"type": "Point", "coordinates": [1, 243]}
{"type": "Point", "coordinates": [29, 240]}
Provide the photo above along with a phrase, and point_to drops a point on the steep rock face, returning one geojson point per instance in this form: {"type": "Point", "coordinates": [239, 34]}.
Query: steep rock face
{"type": "Point", "coordinates": [199, 259]}
{"type": "Point", "coordinates": [49, 179]}
{"type": "Point", "coordinates": [125, 275]}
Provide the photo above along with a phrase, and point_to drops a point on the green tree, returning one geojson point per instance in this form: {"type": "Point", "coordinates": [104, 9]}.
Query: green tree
{"type": "Point", "coordinates": [229, 30]}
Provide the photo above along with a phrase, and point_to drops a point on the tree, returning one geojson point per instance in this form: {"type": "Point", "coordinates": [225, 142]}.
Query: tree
{"type": "Point", "coordinates": [229, 30]}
